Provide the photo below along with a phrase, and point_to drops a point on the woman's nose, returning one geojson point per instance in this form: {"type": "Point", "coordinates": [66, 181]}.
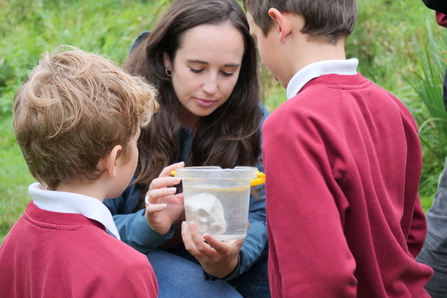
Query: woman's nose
{"type": "Point", "coordinates": [210, 85]}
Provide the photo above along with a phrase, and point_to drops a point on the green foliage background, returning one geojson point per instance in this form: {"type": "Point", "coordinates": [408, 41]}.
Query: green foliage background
{"type": "Point", "coordinates": [398, 43]}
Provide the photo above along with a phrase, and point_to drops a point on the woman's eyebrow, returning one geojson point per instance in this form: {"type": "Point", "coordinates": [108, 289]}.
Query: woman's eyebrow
{"type": "Point", "coordinates": [206, 63]}
{"type": "Point", "coordinates": [197, 61]}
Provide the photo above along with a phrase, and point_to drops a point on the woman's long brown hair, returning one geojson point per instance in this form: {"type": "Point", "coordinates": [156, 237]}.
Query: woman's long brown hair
{"type": "Point", "coordinates": [229, 136]}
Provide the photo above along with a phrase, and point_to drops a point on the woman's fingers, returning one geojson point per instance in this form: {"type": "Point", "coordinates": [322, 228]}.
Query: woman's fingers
{"type": "Point", "coordinates": [166, 172]}
{"type": "Point", "coordinates": [196, 245]}
{"type": "Point", "coordinates": [153, 208]}
{"type": "Point", "coordinates": [187, 234]}
{"type": "Point", "coordinates": [163, 182]}
{"type": "Point", "coordinates": [197, 239]}
{"type": "Point", "coordinates": [155, 194]}
{"type": "Point", "coordinates": [223, 248]}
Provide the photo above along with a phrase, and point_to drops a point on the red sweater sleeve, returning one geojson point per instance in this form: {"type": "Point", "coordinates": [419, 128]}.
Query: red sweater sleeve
{"type": "Point", "coordinates": [319, 244]}
{"type": "Point", "coordinates": [418, 230]}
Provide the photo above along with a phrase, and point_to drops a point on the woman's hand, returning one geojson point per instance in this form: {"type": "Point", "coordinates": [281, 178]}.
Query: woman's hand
{"type": "Point", "coordinates": [216, 257]}
{"type": "Point", "coordinates": [165, 206]}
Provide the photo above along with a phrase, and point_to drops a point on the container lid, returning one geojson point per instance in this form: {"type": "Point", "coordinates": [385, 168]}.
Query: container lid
{"type": "Point", "coordinates": [215, 172]}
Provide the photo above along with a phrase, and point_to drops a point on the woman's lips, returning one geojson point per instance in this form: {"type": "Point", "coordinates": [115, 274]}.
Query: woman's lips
{"type": "Point", "coordinates": [204, 102]}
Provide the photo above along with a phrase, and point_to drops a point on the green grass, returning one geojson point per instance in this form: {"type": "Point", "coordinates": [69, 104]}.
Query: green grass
{"type": "Point", "coordinates": [14, 178]}
{"type": "Point", "coordinates": [426, 202]}
{"type": "Point", "coordinates": [385, 40]}
{"type": "Point", "coordinates": [433, 116]}
{"type": "Point", "coordinates": [31, 27]}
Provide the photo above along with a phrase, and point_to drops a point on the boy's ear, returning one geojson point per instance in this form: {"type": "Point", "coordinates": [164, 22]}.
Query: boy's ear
{"type": "Point", "coordinates": [110, 162]}
{"type": "Point", "coordinates": [283, 23]}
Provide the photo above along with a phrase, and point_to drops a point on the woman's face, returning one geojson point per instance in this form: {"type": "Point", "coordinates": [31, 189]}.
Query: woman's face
{"type": "Point", "coordinates": [205, 69]}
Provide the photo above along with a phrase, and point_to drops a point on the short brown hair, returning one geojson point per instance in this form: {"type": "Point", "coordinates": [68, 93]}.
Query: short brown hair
{"type": "Point", "coordinates": [329, 19]}
{"type": "Point", "coordinates": [72, 110]}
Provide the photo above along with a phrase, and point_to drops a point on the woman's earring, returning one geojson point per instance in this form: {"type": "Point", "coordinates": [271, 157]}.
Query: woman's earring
{"type": "Point", "coordinates": [168, 72]}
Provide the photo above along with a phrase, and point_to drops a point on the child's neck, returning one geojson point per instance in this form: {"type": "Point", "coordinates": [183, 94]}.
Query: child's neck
{"type": "Point", "coordinates": [94, 190]}
{"type": "Point", "coordinates": [316, 51]}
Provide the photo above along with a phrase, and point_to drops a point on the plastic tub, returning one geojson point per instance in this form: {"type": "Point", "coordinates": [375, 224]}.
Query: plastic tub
{"type": "Point", "coordinates": [217, 200]}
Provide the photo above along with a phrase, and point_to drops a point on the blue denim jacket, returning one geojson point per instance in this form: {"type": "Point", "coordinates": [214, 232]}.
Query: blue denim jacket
{"type": "Point", "coordinates": [135, 231]}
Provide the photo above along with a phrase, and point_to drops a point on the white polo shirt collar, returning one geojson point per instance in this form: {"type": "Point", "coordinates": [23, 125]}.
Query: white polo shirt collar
{"type": "Point", "coordinates": [67, 202]}
{"type": "Point", "coordinates": [317, 69]}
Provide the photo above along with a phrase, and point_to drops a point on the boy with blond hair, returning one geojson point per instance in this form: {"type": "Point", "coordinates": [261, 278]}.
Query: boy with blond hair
{"type": "Point", "coordinates": [343, 161]}
{"type": "Point", "coordinates": [77, 119]}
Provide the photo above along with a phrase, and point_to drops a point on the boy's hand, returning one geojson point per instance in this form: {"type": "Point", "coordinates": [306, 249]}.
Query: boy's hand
{"type": "Point", "coordinates": [216, 257]}
{"type": "Point", "coordinates": [165, 206]}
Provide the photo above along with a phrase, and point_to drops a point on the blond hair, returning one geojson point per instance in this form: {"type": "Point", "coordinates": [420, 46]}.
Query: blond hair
{"type": "Point", "coordinates": [72, 110]}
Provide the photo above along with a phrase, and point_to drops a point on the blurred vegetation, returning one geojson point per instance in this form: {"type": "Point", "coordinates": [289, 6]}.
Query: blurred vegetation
{"type": "Point", "coordinates": [427, 84]}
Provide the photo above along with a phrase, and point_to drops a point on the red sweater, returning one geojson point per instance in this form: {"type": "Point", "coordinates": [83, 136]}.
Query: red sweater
{"type": "Point", "coordinates": [343, 161]}
{"type": "Point", "coordinates": [50, 254]}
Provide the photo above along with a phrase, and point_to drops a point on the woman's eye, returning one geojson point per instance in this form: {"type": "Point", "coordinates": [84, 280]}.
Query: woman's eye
{"type": "Point", "coordinates": [194, 70]}
{"type": "Point", "coordinates": [227, 74]}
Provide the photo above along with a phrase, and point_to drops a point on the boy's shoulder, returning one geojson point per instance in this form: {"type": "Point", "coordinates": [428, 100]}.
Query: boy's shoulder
{"type": "Point", "coordinates": [325, 98]}
{"type": "Point", "coordinates": [324, 91]}
{"type": "Point", "coordinates": [121, 267]}
{"type": "Point", "coordinates": [75, 238]}
{"type": "Point", "coordinates": [76, 255]}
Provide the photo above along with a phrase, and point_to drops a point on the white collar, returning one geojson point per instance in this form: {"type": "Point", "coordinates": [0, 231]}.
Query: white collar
{"type": "Point", "coordinates": [67, 202]}
{"type": "Point", "coordinates": [316, 69]}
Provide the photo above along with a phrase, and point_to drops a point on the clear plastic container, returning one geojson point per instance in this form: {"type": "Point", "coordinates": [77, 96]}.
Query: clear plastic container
{"type": "Point", "coordinates": [217, 200]}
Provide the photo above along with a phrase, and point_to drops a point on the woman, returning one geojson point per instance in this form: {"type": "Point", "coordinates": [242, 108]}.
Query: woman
{"type": "Point", "coordinates": [203, 61]}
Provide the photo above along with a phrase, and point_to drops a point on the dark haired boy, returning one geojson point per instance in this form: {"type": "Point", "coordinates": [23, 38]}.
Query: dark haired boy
{"type": "Point", "coordinates": [343, 161]}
